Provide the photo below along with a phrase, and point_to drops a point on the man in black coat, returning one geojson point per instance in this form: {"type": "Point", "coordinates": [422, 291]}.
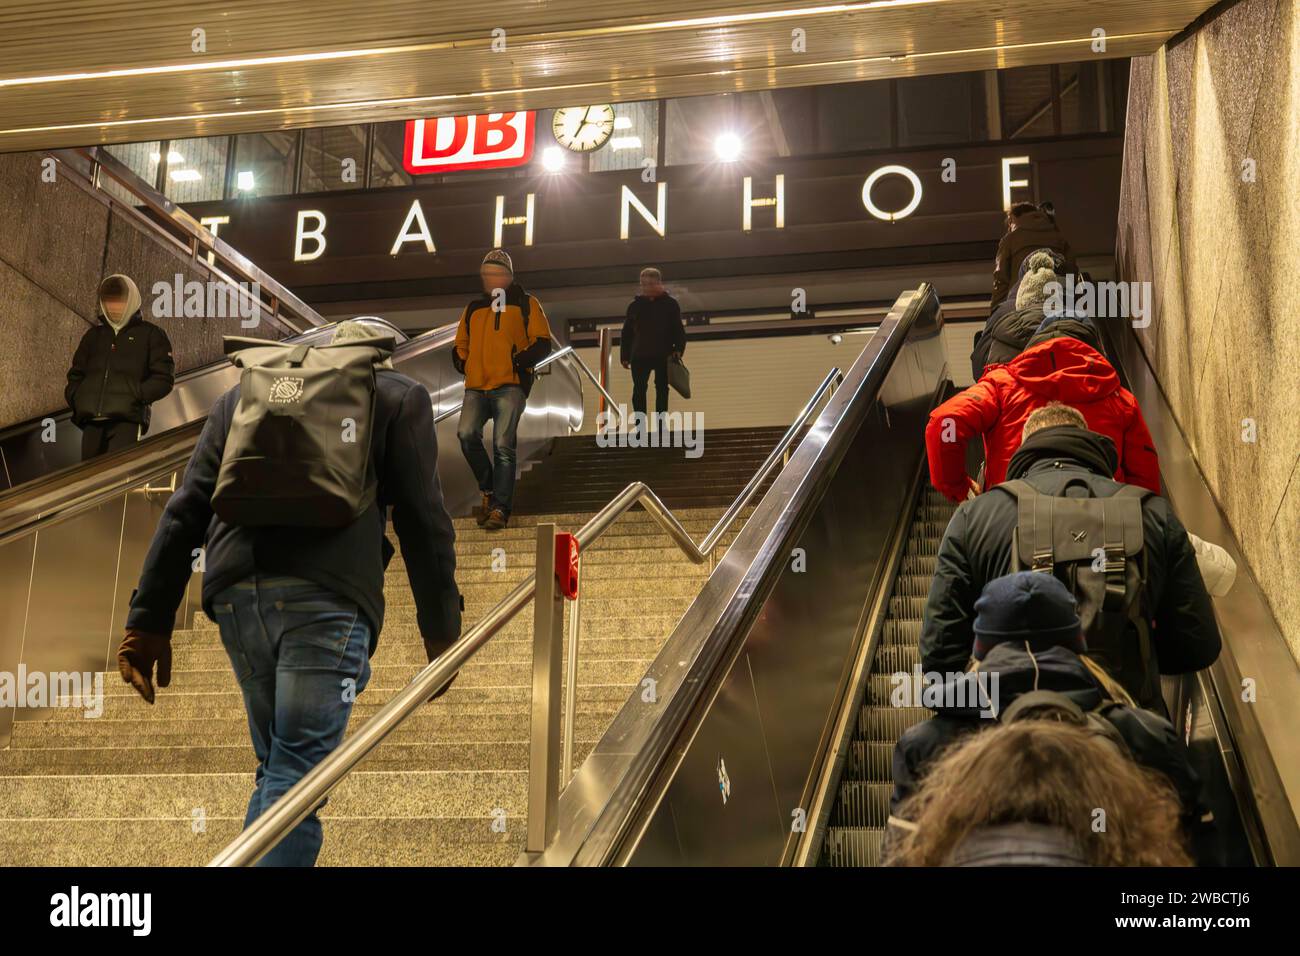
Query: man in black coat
{"type": "Point", "coordinates": [300, 609]}
{"type": "Point", "coordinates": [652, 335]}
{"type": "Point", "coordinates": [122, 366]}
{"type": "Point", "coordinates": [976, 548]}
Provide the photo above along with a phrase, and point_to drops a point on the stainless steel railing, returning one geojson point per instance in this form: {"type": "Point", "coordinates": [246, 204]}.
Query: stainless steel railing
{"type": "Point", "coordinates": [544, 762]}
{"type": "Point", "coordinates": [223, 260]}
{"type": "Point", "coordinates": [569, 355]}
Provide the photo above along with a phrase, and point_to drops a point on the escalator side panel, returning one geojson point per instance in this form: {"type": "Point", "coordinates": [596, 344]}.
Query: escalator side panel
{"type": "Point", "coordinates": [741, 792]}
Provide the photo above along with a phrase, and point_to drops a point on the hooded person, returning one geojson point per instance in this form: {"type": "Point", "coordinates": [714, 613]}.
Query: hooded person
{"type": "Point", "coordinates": [1010, 325]}
{"type": "Point", "coordinates": [1028, 639]}
{"type": "Point", "coordinates": [1028, 229]}
{"type": "Point", "coordinates": [1058, 453]}
{"type": "Point", "coordinates": [1058, 369]}
{"type": "Point", "coordinates": [121, 367]}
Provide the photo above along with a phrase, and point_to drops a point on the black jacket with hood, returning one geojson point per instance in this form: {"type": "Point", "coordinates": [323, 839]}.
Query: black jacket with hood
{"type": "Point", "coordinates": [349, 561]}
{"type": "Point", "coordinates": [1152, 740]}
{"type": "Point", "coordinates": [976, 548]}
{"type": "Point", "coordinates": [117, 374]}
{"type": "Point", "coordinates": [653, 329]}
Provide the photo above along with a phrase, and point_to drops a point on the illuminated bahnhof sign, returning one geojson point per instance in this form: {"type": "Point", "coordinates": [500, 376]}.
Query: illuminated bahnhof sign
{"type": "Point", "coordinates": [651, 204]}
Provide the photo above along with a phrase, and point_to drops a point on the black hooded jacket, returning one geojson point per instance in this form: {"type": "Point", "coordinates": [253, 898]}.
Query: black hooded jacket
{"type": "Point", "coordinates": [118, 375]}
{"type": "Point", "coordinates": [976, 548]}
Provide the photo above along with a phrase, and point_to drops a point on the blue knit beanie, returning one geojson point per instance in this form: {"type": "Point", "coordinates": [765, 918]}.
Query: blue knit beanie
{"type": "Point", "coordinates": [1027, 607]}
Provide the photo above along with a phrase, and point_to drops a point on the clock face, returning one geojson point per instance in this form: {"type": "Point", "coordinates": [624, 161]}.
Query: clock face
{"type": "Point", "coordinates": [583, 128]}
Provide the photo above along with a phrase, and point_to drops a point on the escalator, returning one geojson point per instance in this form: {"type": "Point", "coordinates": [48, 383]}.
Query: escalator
{"type": "Point", "coordinates": [858, 819]}
{"type": "Point", "coordinates": [771, 741]}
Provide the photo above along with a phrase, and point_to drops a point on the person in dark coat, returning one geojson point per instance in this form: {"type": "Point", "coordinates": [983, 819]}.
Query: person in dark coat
{"type": "Point", "coordinates": [976, 548]}
{"type": "Point", "coordinates": [1028, 229]}
{"type": "Point", "coordinates": [1028, 637]}
{"type": "Point", "coordinates": [653, 334]}
{"type": "Point", "coordinates": [121, 367]}
{"type": "Point", "coordinates": [300, 609]}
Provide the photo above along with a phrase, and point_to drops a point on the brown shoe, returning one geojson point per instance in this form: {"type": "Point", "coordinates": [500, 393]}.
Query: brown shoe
{"type": "Point", "coordinates": [482, 511]}
{"type": "Point", "coordinates": [496, 520]}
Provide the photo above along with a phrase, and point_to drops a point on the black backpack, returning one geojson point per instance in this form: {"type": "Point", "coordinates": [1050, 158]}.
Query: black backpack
{"type": "Point", "coordinates": [1097, 548]}
{"type": "Point", "coordinates": [1053, 705]}
{"type": "Point", "coordinates": [298, 449]}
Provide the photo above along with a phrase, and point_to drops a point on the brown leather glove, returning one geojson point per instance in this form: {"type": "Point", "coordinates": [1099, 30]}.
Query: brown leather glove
{"type": "Point", "coordinates": [136, 658]}
{"type": "Point", "coordinates": [432, 651]}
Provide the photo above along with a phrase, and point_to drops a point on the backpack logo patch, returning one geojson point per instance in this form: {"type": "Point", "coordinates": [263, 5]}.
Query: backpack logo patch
{"type": "Point", "coordinates": [286, 390]}
{"type": "Point", "coordinates": [1078, 535]}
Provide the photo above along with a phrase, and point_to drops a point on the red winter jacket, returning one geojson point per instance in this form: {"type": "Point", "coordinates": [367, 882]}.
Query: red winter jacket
{"type": "Point", "coordinates": [1058, 370]}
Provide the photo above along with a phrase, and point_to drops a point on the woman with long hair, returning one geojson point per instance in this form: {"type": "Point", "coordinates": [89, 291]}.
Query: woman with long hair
{"type": "Point", "coordinates": [1040, 793]}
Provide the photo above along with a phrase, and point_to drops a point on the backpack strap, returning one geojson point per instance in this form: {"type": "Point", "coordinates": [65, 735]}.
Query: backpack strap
{"type": "Point", "coordinates": [1032, 541]}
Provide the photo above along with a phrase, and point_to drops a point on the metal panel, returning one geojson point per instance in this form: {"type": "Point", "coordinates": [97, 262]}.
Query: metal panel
{"type": "Point", "coordinates": [15, 579]}
{"type": "Point", "coordinates": [752, 676]}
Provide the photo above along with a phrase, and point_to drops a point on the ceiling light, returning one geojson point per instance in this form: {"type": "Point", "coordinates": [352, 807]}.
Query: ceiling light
{"type": "Point", "coordinates": [552, 159]}
{"type": "Point", "coordinates": [244, 180]}
{"type": "Point", "coordinates": [727, 146]}
{"type": "Point", "coordinates": [186, 175]}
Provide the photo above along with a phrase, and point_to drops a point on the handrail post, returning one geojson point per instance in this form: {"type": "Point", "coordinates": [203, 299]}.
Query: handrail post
{"type": "Point", "coordinates": [543, 755]}
{"type": "Point", "coordinates": [603, 338]}
{"type": "Point", "coordinates": [571, 683]}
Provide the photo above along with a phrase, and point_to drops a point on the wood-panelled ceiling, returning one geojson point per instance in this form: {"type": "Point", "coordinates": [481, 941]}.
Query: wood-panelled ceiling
{"type": "Point", "coordinates": [77, 72]}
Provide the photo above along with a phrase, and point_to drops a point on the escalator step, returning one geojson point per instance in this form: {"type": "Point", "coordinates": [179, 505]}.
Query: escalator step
{"type": "Point", "coordinates": [868, 760]}
{"type": "Point", "coordinates": [852, 846]}
{"type": "Point", "coordinates": [862, 804]}
{"type": "Point", "coordinates": [901, 632]}
{"type": "Point", "coordinates": [907, 608]}
{"type": "Point", "coordinates": [888, 723]}
{"type": "Point", "coordinates": [895, 658]}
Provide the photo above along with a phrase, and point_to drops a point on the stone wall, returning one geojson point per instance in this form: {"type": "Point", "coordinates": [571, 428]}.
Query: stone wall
{"type": "Point", "coordinates": [1209, 214]}
{"type": "Point", "coordinates": [57, 242]}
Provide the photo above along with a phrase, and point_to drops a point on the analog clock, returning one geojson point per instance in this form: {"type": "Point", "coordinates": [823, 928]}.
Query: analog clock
{"type": "Point", "coordinates": [583, 128]}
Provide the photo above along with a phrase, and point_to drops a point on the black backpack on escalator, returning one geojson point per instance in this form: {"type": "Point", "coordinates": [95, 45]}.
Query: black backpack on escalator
{"type": "Point", "coordinates": [298, 449]}
{"type": "Point", "coordinates": [1097, 548]}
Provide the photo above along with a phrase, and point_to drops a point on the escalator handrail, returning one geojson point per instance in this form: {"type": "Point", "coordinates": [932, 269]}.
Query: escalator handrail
{"type": "Point", "coordinates": [198, 239]}
{"type": "Point", "coordinates": [599, 807]}
{"type": "Point", "coordinates": [299, 801]}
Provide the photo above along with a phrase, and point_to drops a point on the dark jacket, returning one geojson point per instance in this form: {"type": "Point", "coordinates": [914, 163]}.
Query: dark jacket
{"type": "Point", "coordinates": [1152, 740]}
{"type": "Point", "coordinates": [1017, 844]}
{"type": "Point", "coordinates": [653, 329]}
{"type": "Point", "coordinates": [118, 375]}
{"type": "Point", "coordinates": [1034, 230]}
{"type": "Point", "coordinates": [976, 548]}
{"type": "Point", "coordinates": [349, 561]}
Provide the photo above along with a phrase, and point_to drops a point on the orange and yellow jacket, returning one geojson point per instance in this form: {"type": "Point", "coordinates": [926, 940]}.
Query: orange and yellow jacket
{"type": "Point", "coordinates": [500, 348]}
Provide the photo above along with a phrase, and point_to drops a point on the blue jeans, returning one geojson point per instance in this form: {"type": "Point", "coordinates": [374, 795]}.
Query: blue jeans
{"type": "Point", "coordinates": [504, 406]}
{"type": "Point", "coordinates": [301, 655]}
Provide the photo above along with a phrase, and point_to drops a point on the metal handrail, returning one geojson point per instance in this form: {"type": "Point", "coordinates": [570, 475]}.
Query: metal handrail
{"type": "Point", "coordinates": [193, 235]}
{"type": "Point", "coordinates": [565, 353]}
{"type": "Point", "coordinates": [309, 792]}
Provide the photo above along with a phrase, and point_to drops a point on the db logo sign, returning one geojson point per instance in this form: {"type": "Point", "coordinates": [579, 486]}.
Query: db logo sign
{"type": "Point", "coordinates": [484, 141]}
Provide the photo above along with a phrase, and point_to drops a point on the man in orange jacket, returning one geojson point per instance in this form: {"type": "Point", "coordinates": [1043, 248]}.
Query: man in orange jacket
{"type": "Point", "coordinates": [503, 334]}
{"type": "Point", "coordinates": [1063, 370]}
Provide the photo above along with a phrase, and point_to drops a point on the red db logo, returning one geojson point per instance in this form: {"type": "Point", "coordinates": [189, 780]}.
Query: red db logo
{"type": "Point", "coordinates": [485, 141]}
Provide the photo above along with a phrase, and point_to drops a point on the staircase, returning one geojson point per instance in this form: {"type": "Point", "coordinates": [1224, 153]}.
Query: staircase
{"type": "Point", "coordinates": [857, 822]}
{"type": "Point", "coordinates": [168, 784]}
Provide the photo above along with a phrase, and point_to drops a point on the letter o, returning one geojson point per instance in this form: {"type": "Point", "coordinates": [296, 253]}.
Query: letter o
{"type": "Point", "coordinates": [906, 210]}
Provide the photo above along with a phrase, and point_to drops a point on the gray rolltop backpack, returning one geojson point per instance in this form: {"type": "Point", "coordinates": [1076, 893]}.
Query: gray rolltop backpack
{"type": "Point", "coordinates": [1096, 547]}
{"type": "Point", "coordinates": [298, 449]}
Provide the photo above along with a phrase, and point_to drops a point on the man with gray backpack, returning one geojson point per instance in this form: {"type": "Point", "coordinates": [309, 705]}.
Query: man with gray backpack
{"type": "Point", "coordinates": [1119, 549]}
{"type": "Point", "coordinates": [284, 507]}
